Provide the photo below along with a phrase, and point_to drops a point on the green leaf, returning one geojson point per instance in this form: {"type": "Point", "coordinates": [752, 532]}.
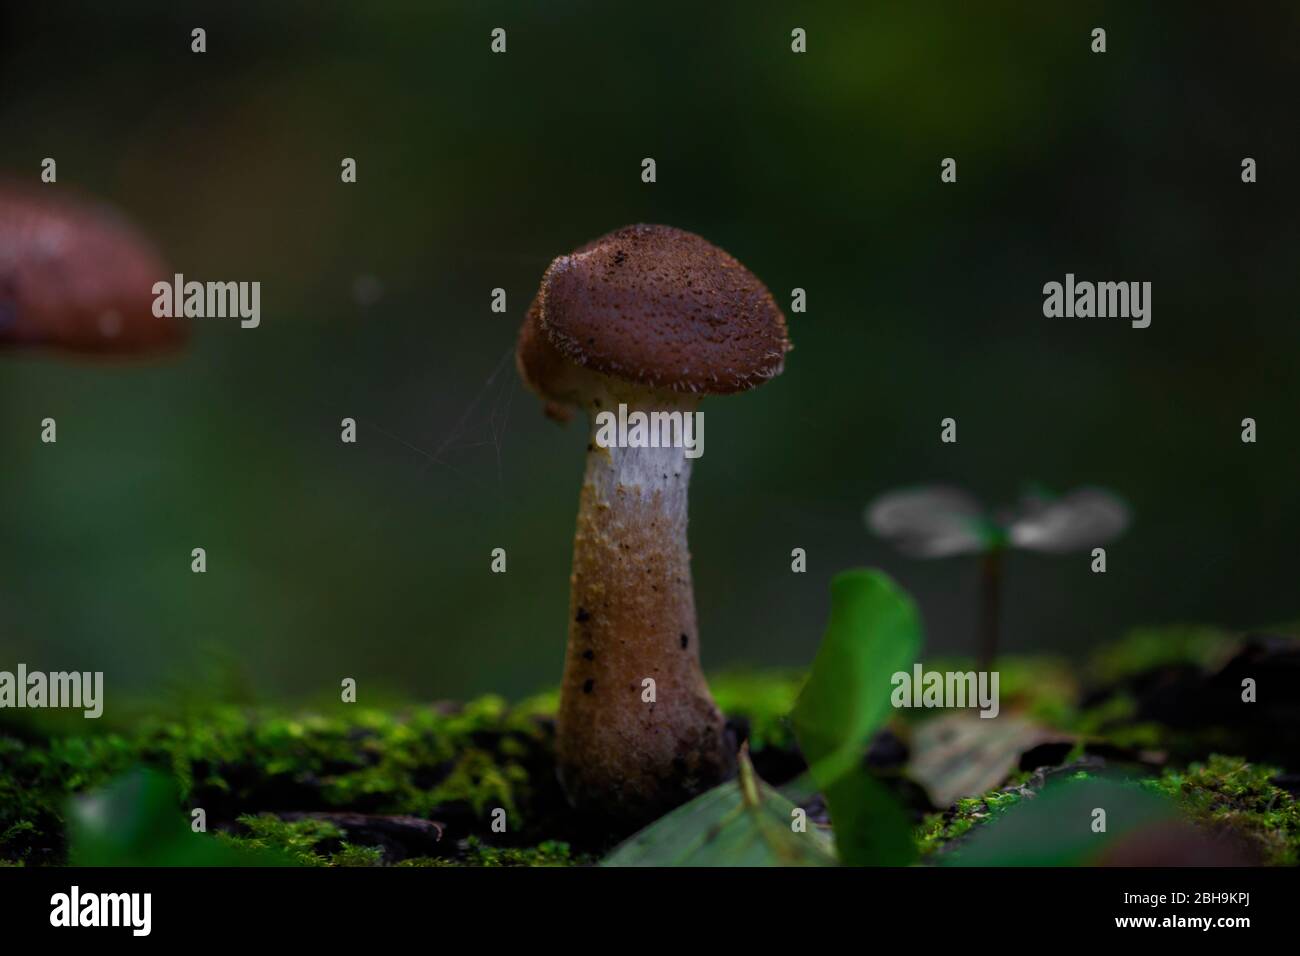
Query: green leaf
{"type": "Point", "coordinates": [137, 821]}
{"type": "Point", "coordinates": [870, 827]}
{"type": "Point", "coordinates": [742, 822]}
{"type": "Point", "coordinates": [1055, 828]}
{"type": "Point", "coordinates": [874, 632]}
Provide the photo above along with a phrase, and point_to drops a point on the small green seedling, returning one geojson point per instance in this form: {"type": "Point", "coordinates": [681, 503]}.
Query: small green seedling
{"type": "Point", "coordinates": [936, 521]}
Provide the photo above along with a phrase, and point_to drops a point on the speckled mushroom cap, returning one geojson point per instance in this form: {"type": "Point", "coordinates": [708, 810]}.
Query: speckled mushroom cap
{"type": "Point", "coordinates": [655, 306]}
{"type": "Point", "coordinates": [75, 276]}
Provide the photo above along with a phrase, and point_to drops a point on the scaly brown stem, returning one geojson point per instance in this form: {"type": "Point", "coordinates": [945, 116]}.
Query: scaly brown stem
{"type": "Point", "coordinates": [632, 617]}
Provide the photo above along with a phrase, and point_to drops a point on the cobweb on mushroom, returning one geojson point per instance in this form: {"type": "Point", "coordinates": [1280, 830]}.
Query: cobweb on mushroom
{"type": "Point", "coordinates": [468, 442]}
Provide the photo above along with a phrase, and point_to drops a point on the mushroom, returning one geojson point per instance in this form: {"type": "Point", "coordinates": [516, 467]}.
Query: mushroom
{"type": "Point", "coordinates": [75, 276]}
{"type": "Point", "coordinates": [653, 318]}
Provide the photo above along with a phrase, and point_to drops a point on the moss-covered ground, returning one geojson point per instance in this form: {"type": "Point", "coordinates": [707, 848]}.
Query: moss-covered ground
{"type": "Point", "coordinates": [423, 785]}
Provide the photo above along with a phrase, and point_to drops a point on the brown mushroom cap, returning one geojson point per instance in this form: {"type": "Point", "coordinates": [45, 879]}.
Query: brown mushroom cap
{"type": "Point", "coordinates": [655, 306]}
{"type": "Point", "coordinates": [542, 368]}
{"type": "Point", "coordinates": [75, 276]}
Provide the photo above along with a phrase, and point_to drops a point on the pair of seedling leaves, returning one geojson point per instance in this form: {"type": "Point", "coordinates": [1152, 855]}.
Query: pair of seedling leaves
{"type": "Point", "coordinates": [937, 521]}
{"type": "Point", "coordinates": [874, 632]}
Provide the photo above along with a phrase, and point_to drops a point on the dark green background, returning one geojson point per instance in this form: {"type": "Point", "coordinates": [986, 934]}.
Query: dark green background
{"type": "Point", "coordinates": [819, 171]}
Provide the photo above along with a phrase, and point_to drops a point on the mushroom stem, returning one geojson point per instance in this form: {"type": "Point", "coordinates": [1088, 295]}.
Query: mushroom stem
{"type": "Point", "coordinates": [627, 748]}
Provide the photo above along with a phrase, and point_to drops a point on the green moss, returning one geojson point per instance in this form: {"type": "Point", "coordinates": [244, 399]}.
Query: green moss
{"type": "Point", "coordinates": [299, 839]}
{"type": "Point", "coordinates": [1231, 793]}
{"type": "Point", "coordinates": [478, 853]}
{"type": "Point", "coordinates": [410, 762]}
{"type": "Point", "coordinates": [232, 760]}
{"type": "Point", "coordinates": [1112, 720]}
{"type": "Point", "coordinates": [1146, 648]}
{"type": "Point", "coordinates": [764, 699]}
{"type": "Point", "coordinates": [306, 842]}
{"type": "Point", "coordinates": [16, 839]}
{"type": "Point", "coordinates": [433, 762]}
{"type": "Point", "coordinates": [349, 855]}
{"type": "Point", "coordinates": [456, 765]}
{"type": "Point", "coordinates": [939, 829]}
{"type": "Point", "coordinates": [1223, 794]}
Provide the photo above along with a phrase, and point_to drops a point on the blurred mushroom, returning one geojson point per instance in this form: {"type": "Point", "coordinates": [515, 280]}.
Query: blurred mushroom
{"type": "Point", "coordinates": [1177, 843]}
{"type": "Point", "coordinates": [935, 521]}
{"type": "Point", "coordinates": [655, 318]}
{"type": "Point", "coordinates": [74, 276]}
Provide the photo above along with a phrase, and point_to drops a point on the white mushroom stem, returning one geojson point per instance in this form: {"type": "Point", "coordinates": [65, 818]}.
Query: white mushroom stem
{"type": "Point", "coordinates": [662, 473]}
{"type": "Point", "coordinates": [638, 731]}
